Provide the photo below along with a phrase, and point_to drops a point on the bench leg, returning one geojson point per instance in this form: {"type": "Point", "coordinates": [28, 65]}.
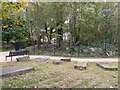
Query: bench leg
{"type": "Point", "coordinates": [11, 58]}
{"type": "Point", "coordinates": [6, 58]}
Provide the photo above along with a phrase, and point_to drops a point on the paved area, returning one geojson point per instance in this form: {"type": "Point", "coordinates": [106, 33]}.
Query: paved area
{"type": "Point", "coordinates": [41, 59]}
{"type": "Point", "coordinates": [14, 69]}
{"type": "Point", "coordinates": [3, 54]}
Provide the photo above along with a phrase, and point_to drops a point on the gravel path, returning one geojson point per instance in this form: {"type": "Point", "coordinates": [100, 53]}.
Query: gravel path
{"type": "Point", "coordinates": [3, 54]}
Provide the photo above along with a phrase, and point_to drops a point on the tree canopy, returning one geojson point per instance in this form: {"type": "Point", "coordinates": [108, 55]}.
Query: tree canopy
{"type": "Point", "coordinates": [87, 23]}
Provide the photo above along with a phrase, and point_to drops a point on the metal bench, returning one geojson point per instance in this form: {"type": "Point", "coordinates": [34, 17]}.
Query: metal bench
{"type": "Point", "coordinates": [17, 53]}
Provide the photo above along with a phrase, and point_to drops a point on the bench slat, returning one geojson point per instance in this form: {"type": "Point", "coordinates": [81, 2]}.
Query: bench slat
{"type": "Point", "coordinates": [16, 53]}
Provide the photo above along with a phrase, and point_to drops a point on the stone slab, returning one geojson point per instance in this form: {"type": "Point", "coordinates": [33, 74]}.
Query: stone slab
{"type": "Point", "coordinates": [81, 66]}
{"type": "Point", "coordinates": [41, 59]}
{"type": "Point", "coordinates": [66, 60]}
{"type": "Point", "coordinates": [57, 62]}
{"type": "Point", "coordinates": [106, 66]}
{"type": "Point", "coordinates": [14, 69]}
{"type": "Point", "coordinates": [25, 58]}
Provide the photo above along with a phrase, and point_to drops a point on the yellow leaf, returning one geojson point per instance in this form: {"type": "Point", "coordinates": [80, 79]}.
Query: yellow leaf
{"type": "Point", "coordinates": [5, 27]}
{"type": "Point", "coordinates": [18, 10]}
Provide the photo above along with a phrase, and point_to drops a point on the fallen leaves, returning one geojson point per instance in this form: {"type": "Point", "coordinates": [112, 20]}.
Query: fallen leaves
{"type": "Point", "coordinates": [62, 76]}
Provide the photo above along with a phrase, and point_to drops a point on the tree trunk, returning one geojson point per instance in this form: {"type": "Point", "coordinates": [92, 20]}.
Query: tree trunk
{"type": "Point", "coordinates": [117, 40]}
{"type": "Point", "coordinates": [38, 42]}
{"type": "Point", "coordinates": [50, 38]}
{"type": "Point", "coordinates": [46, 31]}
{"type": "Point", "coordinates": [60, 33]}
{"type": "Point", "coordinates": [7, 40]}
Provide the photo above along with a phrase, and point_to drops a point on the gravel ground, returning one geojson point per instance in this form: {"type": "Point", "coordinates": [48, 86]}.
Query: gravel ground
{"type": "Point", "coordinates": [3, 54]}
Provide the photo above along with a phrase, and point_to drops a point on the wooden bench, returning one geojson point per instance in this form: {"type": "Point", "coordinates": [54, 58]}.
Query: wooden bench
{"type": "Point", "coordinates": [17, 53]}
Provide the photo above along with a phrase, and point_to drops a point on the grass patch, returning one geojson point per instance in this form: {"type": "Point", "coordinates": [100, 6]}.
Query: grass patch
{"type": "Point", "coordinates": [48, 75]}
